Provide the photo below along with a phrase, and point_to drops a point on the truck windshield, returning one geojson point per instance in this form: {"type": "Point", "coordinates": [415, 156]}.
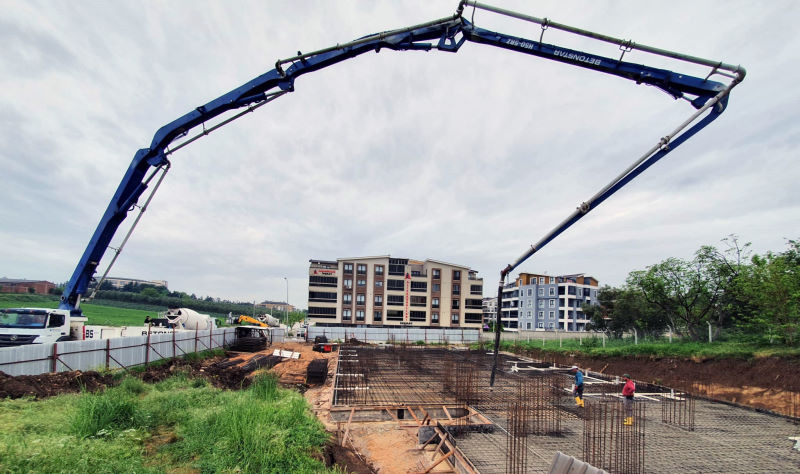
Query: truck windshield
{"type": "Point", "coordinates": [22, 320]}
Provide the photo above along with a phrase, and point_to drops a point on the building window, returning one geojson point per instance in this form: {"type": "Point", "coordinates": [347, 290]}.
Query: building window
{"type": "Point", "coordinates": [437, 287]}
{"type": "Point", "coordinates": [346, 314]}
{"type": "Point", "coordinates": [396, 285]}
{"type": "Point", "coordinates": [541, 314]}
{"type": "Point", "coordinates": [455, 304]}
{"type": "Point", "coordinates": [347, 298]}
{"type": "Point", "coordinates": [541, 280]}
{"type": "Point", "coordinates": [379, 269]}
{"type": "Point", "coordinates": [348, 283]}
{"type": "Point", "coordinates": [394, 300]}
{"type": "Point", "coordinates": [551, 314]}
{"type": "Point", "coordinates": [541, 325]}
{"type": "Point", "coordinates": [456, 289]}
{"type": "Point", "coordinates": [378, 300]}
{"type": "Point", "coordinates": [456, 274]}
{"type": "Point", "coordinates": [541, 303]}
{"type": "Point", "coordinates": [541, 291]}
{"type": "Point", "coordinates": [360, 315]}
{"type": "Point", "coordinates": [377, 315]}
{"type": "Point", "coordinates": [435, 318]}
{"type": "Point", "coordinates": [552, 291]}
{"type": "Point", "coordinates": [436, 274]}
{"type": "Point", "coordinates": [434, 302]}
{"type": "Point", "coordinates": [529, 314]}
{"type": "Point", "coordinates": [361, 282]}
{"type": "Point", "coordinates": [419, 286]}
{"type": "Point", "coordinates": [529, 326]}
{"type": "Point", "coordinates": [553, 303]}
{"type": "Point", "coordinates": [361, 269]}
{"type": "Point", "coordinates": [360, 299]}
{"type": "Point", "coordinates": [530, 303]}
{"type": "Point", "coordinates": [379, 283]}
{"type": "Point", "coordinates": [348, 268]}
{"type": "Point", "coordinates": [454, 318]}
{"type": "Point", "coordinates": [419, 300]}
{"type": "Point", "coordinates": [418, 316]}
{"type": "Point", "coordinates": [551, 325]}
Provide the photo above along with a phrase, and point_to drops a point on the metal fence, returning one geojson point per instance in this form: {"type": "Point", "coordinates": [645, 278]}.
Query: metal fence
{"type": "Point", "coordinates": [398, 335]}
{"type": "Point", "coordinates": [110, 354]}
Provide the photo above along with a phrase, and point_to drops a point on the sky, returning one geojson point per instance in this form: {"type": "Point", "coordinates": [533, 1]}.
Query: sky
{"type": "Point", "coordinates": [466, 158]}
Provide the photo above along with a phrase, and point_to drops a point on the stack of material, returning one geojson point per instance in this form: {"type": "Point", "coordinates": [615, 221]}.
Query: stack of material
{"type": "Point", "coordinates": [317, 371]}
{"type": "Point", "coordinates": [260, 361]}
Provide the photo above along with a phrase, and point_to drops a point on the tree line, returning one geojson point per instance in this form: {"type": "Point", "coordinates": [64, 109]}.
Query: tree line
{"type": "Point", "coordinates": [756, 296]}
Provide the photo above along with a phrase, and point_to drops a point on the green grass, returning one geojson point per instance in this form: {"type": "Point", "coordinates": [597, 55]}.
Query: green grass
{"type": "Point", "coordinates": [261, 429]}
{"type": "Point", "coordinates": [100, 314]}
{"type": "Point", "coordinates": [593, 346]}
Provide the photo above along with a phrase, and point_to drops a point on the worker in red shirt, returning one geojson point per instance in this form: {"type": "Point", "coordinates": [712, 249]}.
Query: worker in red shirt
{"type": "Point", "coordinates": [627, 391]}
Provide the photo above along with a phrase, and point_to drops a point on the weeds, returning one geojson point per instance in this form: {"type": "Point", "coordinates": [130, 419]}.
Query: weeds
{"type": "Point", "coordinates": [261, 429]}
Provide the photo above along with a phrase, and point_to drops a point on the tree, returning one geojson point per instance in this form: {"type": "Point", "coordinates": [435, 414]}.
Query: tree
{"type": "Point", "coordinates": [772, 286]}
{"type": "Point", "coordinates": [686, 293]}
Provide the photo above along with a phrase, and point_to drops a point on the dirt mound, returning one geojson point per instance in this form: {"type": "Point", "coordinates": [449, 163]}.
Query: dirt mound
{"type": "Point", "coordinates": [48, 385]}
{"type": "Point", "coordinates": [216, 370]}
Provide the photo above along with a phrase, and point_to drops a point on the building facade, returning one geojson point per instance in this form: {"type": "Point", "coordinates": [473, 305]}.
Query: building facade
{"type": "Point", "coordinates": [489, 310]}
{"type": "Point", "coordinates": [536, 302]}
{"type": "Point", "coordinates": [399, 292]}
{"type": "Point", "coordinates": [279, 306]}
{"type": "Point", "coordinates": [39, 287]}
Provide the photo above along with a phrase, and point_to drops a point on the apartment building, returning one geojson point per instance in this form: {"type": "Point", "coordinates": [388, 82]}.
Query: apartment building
{"type": "Point", "coordinates": [536, 302]}
{"type": "Point", "coordinates": [385, 291]}
{"type": "Point", "coordinates": [489, 310]}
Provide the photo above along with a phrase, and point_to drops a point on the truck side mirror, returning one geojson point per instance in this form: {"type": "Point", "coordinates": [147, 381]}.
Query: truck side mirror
{"type": "Point", "coordinates": [56, 320]}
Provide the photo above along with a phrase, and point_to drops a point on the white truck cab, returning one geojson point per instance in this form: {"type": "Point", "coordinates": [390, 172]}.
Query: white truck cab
{"type": "Point", "coordinates": [20, 326]}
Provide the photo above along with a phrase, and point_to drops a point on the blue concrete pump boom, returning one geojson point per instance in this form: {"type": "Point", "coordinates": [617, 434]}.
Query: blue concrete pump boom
{"type": "Point", "coordinates": [446, 34]}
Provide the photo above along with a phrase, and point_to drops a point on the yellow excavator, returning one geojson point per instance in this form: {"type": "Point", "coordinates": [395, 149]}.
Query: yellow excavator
{"type": "Point", "coordinates": [248, 320]}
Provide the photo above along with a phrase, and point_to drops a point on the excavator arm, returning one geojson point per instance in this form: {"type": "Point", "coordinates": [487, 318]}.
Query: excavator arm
{"type": "Point", "coordinates": [447, 34]}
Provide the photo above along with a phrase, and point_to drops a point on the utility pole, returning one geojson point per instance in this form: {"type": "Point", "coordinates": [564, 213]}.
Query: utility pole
{"type": "Point", "coordinates": [287, 300]}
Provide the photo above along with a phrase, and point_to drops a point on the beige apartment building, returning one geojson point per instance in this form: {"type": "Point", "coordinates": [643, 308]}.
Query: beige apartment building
{"type": "Point", "coordinates": [397, 292]}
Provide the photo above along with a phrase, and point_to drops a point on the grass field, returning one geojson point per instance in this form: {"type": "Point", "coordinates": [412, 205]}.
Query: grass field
{"type": "Point", "coordinates": [593, 346]}
{"type": "Point", "coordinates": [178, 425]}
{"type": "Point", "coordinates": [97, 313]}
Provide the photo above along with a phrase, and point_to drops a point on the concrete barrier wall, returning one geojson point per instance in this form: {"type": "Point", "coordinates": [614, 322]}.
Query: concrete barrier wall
{"type": "Point", "coordinates": [398, 335]}
{"type": "Point", "coordinates": [109, 354]}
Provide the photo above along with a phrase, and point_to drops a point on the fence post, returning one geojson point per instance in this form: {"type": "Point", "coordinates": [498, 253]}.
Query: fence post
{"type": "Point", "coordinates": [670, 335]}
{"type": "Point", "coordinates": [55, 357]}
{"type": "Point", "coordinates": [635, 336]}
{"type": "Point", "coordinates": [147, 348]}
{"type": "Point", "coordinates": [108, 353]}
{"type": "Point", "coordinates": [709, 330]}
{"type": "Point", "coordinates": [173, 343]}
{"type": "Point", "coordinates": [604, 340]}
{"type": "Point", "coordinates": [195, 339]}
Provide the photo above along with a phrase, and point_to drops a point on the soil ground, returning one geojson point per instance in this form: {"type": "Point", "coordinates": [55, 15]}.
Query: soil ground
{"type": "Point", "coordinates": [766, 383]}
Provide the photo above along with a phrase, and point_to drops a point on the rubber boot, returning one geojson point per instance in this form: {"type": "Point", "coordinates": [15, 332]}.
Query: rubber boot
{"type": "Point", "coordinates": [580, 402]}
{"type": "Point", "coordinates": [577, 401]}
{"type": "Point", "coordinates": [628, 421]}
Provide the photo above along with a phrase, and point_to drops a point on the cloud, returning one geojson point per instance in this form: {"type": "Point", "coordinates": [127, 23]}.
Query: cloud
{"type": "Point", "coordinates": [466, 157]}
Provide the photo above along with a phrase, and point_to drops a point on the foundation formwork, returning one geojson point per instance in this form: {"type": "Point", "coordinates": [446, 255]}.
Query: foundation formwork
{"type": "Point", "coordinates": [724, 438]}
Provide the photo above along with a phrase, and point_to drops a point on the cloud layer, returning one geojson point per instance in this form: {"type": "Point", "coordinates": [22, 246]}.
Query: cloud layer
{"type": "Point", "coordinates": [466, 157]}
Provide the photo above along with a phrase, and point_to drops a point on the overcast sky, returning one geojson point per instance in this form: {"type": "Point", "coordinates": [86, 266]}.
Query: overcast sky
{"type": "Point", "coordinates": [466, 158]}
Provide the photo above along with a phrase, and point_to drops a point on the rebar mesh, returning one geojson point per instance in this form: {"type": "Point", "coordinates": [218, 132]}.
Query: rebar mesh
{"type": "Point", "coordinates": [678, 409]}
{"type": "Point", "coordinates": [613, 438]}
{"type": "Point", "coordinates": [517, 439]}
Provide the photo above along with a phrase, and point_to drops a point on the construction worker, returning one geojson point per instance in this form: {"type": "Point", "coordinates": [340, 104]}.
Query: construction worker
{"type": "Point", "coordinates": [578, 390]}
{"type": "Point", "coordinates": [627, 391]}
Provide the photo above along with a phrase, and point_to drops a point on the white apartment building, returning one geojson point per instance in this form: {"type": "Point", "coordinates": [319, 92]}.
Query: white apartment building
{"type": "Point", "coordinates": [536, 302]}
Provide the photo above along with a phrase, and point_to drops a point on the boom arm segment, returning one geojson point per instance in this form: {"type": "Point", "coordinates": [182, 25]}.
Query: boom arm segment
{"type": "Point", "coordinates": [451, 33]}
